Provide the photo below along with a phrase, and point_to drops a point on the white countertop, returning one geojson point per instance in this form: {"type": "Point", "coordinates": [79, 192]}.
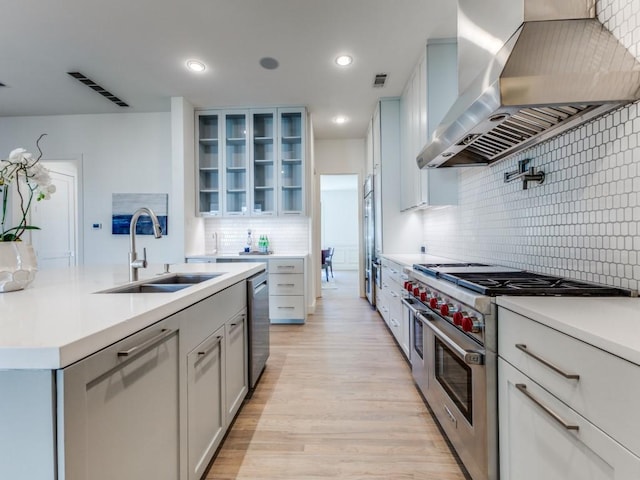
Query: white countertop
{"type": "Point", "coordinates": [408, 259]}
{"type": "Point", "coordinates": [246, 256]}
{"type": "Point", "coordinates": [59, 318]}
{"type": "Point", "coordinates": [611, 324]}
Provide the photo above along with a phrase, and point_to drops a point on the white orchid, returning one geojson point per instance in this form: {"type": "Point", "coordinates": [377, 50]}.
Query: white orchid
{"type": "Point", "coordinates": [31, 180]}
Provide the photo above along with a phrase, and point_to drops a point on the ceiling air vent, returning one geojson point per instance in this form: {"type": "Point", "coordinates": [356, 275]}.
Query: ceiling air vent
{"type": "Point", "coordinates": [97, 88]}
{"type": "Point", "coordinates": [379, 80]}
{"type": "Point", "coordinates": [2, 84]}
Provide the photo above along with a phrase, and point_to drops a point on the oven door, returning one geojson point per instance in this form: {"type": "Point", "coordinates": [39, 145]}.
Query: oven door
{"type": "Point", "coordinates": [457, 391]}
{"type": "Point", "coordinates": [416, 340]}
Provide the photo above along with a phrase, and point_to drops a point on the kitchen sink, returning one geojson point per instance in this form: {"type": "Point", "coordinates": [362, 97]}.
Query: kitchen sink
{"type": "Point", "coordinates": [182, 278]}
{"type": "Point", "coordinates": [149, 288]}
{"type": "Point", "coordinates": [166, 284]}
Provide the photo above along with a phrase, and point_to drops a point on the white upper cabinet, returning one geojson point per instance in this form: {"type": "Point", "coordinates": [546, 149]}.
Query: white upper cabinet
{"type": "Point", "coordinates": [251, 162]}
{"type": "Point", "coordinates": [292, 146]}
{"type": "Point", "coordinates": [208, 175]}
{"type": "Point", "coordinates": [428, 95]}
{"type": "Point", "coordinates": [264, 163]}
{"type": "Point", "coordinates": [236, 164]}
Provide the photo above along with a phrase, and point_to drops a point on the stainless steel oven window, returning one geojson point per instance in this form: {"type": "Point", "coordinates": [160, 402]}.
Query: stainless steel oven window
{"type": "Point", "coordinates": [455, 377]}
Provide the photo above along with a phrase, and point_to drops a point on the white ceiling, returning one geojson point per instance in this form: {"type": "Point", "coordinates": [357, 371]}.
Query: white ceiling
{"type": "Point", "coordinates": [137, 49]}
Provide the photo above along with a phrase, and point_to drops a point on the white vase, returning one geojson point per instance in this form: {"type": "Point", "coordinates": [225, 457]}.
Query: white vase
{"type": "Point", "coordinates": [18, 265]}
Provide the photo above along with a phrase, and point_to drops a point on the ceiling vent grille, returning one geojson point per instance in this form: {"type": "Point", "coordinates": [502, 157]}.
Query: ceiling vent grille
{"type": "Point", "coordinates": [97, 88]}
{"type": "Point", "coordinates": [379, 80]}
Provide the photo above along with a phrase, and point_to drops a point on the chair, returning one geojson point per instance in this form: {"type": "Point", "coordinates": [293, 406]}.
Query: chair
{"type": "Point", "coordinates": [327, 257]}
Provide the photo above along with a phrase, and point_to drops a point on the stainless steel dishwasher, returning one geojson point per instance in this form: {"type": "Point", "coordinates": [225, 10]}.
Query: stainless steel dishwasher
{"type": "Point", "coordinates": [258, 300]}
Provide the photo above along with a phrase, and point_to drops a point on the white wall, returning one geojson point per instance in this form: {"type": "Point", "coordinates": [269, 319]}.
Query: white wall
{"type": "Point", "coordinates": [340, 225]}
{"type": "Point", "coordinates": [582, 222]}
{"type": "Point", "coordinates": [121, 153]}
{"type": "Point", "coordinates": [344, 156]}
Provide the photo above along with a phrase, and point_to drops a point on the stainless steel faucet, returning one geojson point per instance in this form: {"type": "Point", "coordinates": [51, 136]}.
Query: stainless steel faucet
{"type": "Point", "coordinates": [134, 263]}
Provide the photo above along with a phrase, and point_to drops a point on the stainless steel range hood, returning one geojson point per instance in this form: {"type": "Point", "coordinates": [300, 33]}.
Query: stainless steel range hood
{"type": "Point", "coordinates": [552, 74]}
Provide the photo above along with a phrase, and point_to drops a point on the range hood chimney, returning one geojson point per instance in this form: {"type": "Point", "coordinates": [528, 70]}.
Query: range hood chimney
{"type": "Point", "coordinates": [559, 69]}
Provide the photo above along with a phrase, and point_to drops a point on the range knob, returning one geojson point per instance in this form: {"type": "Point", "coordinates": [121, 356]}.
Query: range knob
{"type": "Point", "coordinates": [467, 324]}
{"type": "Point", "coordinates": [416, 290]}
{"type": "Point", "coordinates": [445, 309]}
{"type": "Point", "coordinates": [423, 296]}
{"type": "Point", "coordinates": [457, 318]}
{"type": "Point", "coordinates": [433, 302]}
{"type": "Point", "coordinates": [409, 286]}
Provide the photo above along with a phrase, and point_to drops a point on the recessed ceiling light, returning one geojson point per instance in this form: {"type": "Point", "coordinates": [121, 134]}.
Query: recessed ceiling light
{"type": "Point", "coordinates": [196, 66]}
{"type": "Point", "coordinates": [340, 120]}
{"type": "Point", "coordinates": [269, 63]}
{"type": "Point", "coordinates": [344, 60]}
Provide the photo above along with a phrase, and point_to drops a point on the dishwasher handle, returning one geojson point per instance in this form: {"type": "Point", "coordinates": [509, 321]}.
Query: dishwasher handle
{"type": "Point", "coordinates": [258, 288]}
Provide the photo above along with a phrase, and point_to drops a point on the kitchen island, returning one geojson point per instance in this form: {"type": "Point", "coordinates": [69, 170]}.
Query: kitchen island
{"type": "Point", "coordinates": [120, 385]}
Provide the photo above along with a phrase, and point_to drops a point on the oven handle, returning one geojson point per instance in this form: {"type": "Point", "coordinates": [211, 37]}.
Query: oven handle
{"type": "Point", "coordinates": [410, 306]}
{"type": "Point", "coordinates": [413, 309]}
{"type": "Point", "coordinates": [470, 357]}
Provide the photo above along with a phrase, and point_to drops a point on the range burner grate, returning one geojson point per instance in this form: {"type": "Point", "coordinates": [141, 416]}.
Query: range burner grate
{"type": "Point", "coordinates": [528, 283]}
{"type": "Point", "coordinates": [429, 268]}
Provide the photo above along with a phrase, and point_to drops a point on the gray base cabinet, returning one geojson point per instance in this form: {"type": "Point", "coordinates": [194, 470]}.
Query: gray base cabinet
{"type": "Point", "coordinates": [237, 364]}
{"type": "Point", "coordinates": [206, 415]}
{"type": "Point", "coordinates": [121, 413]}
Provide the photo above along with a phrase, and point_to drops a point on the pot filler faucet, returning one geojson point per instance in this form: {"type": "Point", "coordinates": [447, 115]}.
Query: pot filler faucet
{"type": "Point", "coordinates": [134, 262]}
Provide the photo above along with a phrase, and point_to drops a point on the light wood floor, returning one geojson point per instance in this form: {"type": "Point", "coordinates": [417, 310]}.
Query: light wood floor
{"type": "Point", "coordinates": [336, 401]}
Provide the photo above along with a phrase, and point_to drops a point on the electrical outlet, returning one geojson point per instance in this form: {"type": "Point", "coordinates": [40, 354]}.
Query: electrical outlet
{"type": "Point", "coordinates": [423, 249]}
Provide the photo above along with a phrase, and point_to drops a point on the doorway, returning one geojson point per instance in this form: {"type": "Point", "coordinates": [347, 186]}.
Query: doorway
{"type": "Point", "coordinates": [339, 229]}
{"type": "Point", "coordinates": [57, 244]}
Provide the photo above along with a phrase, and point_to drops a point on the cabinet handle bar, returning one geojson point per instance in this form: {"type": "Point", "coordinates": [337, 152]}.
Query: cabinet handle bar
{"type": "Point", "coordinates": [523, 348]}
{"type": "Point", "coordinates": [523, 388]}
{"type": "Point", "coordinates": [147, 343]}
{"type": "Point", "coordinates": [206, 352]}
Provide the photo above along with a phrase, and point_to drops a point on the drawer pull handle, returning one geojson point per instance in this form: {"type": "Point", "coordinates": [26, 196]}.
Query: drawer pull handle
{"type": "Point", "coordinates": [523, 348]}
{"type": "Point", "coordinates": [523, 388]}
{"type": "Point", "coordinates": [286, 308]}
{"type": "Point", "coordinates": [206, 352]}
{"type": "Point", "coordinates": [286, 284]}
{"type": "Point", "coordinates": [147, 343]}
{"type": "Point", "coordinates": [286, 266]}
{"type": "Point", "coordinates": [235, 324]}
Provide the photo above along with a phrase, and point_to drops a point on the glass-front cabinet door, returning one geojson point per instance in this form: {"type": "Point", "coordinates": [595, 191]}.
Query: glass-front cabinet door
{"type": "Point", "coordinates": [291, 135]}
{"type": "Point", "coordinates": [251, 162]}
{"type": "Point", "coordinates": [236, 163]}
{"type": "Point", "coordinates": [209, 177]}
{"type": "Point", "coordinates": [263, 155]}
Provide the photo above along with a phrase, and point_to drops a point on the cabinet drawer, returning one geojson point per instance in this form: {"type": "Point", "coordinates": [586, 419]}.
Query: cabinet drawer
{"type": "Point", "coordinates": [391, 271]}
{"type": "Point", "coordinates": [286, 307]}
{"type": "Point", "coordinates": [535, 445]}
{"type": "Point", "coordinates": [283, 284]}
{"type": "Point", "coordinates": [283, 265]}
{"type": "Point", "coordinates": [607, 386]}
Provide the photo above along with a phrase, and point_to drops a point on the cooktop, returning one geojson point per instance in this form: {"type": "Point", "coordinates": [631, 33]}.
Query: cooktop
{"type": "Point", "coordinates": [494, 280]}
{"type": "Point", "coordinates": [528, 283]}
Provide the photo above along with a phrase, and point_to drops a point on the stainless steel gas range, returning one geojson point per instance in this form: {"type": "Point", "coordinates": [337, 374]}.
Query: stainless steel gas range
{"type": "Point", "coordinates": [454, 329]}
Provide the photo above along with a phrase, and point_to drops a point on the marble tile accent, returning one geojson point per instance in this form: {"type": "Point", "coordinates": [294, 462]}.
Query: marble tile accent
{"type": "Point", "coordinates": [582, 223]}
